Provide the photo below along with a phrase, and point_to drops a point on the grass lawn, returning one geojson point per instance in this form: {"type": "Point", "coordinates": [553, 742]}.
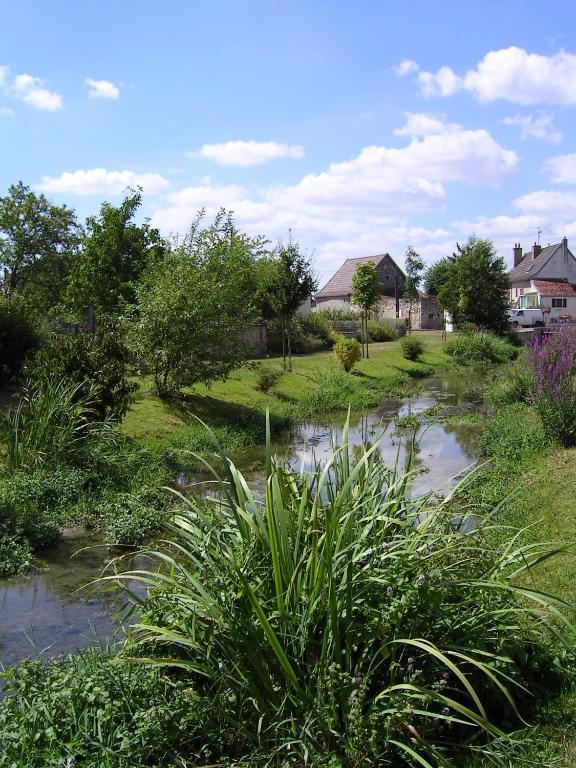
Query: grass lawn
{"type": "Point", "coordinates": [236, 403]}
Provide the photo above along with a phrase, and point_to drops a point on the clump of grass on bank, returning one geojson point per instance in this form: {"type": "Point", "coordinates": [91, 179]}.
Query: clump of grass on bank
{"type": "Point", "coordinates": [339, 616]}
{"type": "Point", "coordinates": [480, 347]}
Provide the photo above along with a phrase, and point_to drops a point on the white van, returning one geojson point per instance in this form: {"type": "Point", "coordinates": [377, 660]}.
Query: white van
{"type": "Point", "coordinates": [525, 317]}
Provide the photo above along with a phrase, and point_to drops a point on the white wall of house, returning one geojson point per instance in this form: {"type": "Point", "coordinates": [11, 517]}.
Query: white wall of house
{"type": "Point", "coordinates": [546, 302]}
{"type": "Point", "coordinates": [333, 302]}
{"type": "Point", "coordinates": [561, 266]}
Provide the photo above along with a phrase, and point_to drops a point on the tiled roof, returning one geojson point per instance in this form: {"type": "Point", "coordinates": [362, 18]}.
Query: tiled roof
{"type": "Point", "coordinates": [554, 288]}
{"type": "Point", "coordinates": [530, 267]}
{"type": "Point", "coordinates": [340, 284]}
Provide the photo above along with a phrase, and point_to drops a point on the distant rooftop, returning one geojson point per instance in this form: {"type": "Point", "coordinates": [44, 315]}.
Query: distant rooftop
{"type": "Point", "coordinates": [340, 284]}
{"type": "Point", "coordinates": [529, 266]}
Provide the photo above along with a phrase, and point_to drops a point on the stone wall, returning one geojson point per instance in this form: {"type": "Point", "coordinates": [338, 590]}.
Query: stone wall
{"type": "Point", "coordinates": [426, 314]}
{"type": "Point", "coordinates": [256, 340]}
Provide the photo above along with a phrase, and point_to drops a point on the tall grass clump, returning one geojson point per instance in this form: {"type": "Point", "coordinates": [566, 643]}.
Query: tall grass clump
{"type": "Point", "coordinates": [411, 347]}
{"type": "Point", "coordinates": [338, 615]}
{"type": "Point", "coordinates": [553, 361]}
{"type": "Point", "coordinates": [480, 347]}
{"type": "Point", "coordinates": [50, 423]}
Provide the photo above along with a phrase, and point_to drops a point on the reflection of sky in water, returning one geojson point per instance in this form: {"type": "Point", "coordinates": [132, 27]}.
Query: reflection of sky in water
{"type": "Point", "coordinates": [45, 611]}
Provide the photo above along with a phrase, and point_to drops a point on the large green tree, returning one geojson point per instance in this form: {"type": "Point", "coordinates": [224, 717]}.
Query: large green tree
{"type": "Point", "coordinates": [414, 267]}
{"type": "Point", "coordinates": [437, 275]}
{"type": "Point", "coordinates": [476, 288]}
{"type": "Point", "coordinates": [287, 280]}
{"type": "Point", "coordinates": [194, 306]}
{"type": "Point", "coordinates": [366, 290]}
{"type": "Point", "coordinates": [38, 241]}
{"type": "Point", "coordinates": [115, 253]}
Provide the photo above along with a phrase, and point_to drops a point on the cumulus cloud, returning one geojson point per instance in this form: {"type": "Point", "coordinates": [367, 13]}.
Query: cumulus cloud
{"type": "Point", "coordinates": [102, 89]}
{"type": "Point", "coordinates": [539, 126]}
{"type": "Point", "coordinates": [29, 89]}
{"type": "Point", "coordinates": [406, 67]}
{"type": "Point", "coordinates": [6, 112]}
{"type": "Point", "coordinates": [3, 73]}
{"type": "Point", "coordinates": [361, 204]}
{"type": "Point", "coordinates": [247, 153]}
{"type": "Point", "coordinates": [562, 169]}
{"type": "Point", "coordinates": [512, 74]}
{"type": "Point", "coordinates": [99, 181]}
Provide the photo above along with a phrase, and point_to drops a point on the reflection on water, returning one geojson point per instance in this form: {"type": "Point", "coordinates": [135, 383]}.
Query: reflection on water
{"type": "Point", "coordinates": [46, 612]}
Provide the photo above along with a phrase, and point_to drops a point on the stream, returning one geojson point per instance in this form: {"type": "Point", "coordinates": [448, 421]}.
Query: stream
{"type": "Point", "coordinates": [52, 612]}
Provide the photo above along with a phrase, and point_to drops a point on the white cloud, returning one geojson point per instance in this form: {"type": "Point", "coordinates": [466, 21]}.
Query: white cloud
{"type": "Point", "coordinates": [6, 112]}
{"type": "Point", "coordinates": [539, 126]}
{"type": "Point", "coordinates": [99, 181]}
{"type": "Point", "coordinates": [512, 74]}
{"type": "Point", "coordinates": [562, 169]}
{"type": "Point", "coordinates": [406, 67]}
{"type": "Point", "coordinates": [361, 205]}
{"type": "Point", "coordinates": [29, 89]}
{"type": "Point", "coordinates": [547, 203]}
{"type": "Point", "coordinates": [247, 153]}
{"type": "Point", "coordinates": [3, 73]}
{"type": "Point", "coordinates": [102, 89]}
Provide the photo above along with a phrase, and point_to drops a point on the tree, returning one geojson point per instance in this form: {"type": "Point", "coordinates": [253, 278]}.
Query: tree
{"type": "Point", "coordinates": [436, 276]}
{"type": "Point", "coordinates": [366, 290]}
{"type": "Point", "coordinates": [115, 253]}
{"type": "Point", "coordinates": [288, 282]}
{"type": "Point", "coordinates": [194, 306]}
{"type": "Point", "coordinates": [414, 267]}
{"type": "Point", "coordinates": [37, 243]}
{"type": "Point", "coordinates": [476, 288]}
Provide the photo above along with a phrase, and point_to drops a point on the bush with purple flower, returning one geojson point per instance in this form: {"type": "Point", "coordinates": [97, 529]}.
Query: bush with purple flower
{"type": "Point", "coordinates": [553, 361]}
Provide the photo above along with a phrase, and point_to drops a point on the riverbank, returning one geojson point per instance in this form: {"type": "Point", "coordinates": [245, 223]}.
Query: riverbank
{"type": "Point", "coordinates": [236, 408]}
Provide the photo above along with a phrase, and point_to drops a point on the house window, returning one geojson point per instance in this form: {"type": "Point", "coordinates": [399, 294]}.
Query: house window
{"type": "Point", "coordinates": [559, 303]}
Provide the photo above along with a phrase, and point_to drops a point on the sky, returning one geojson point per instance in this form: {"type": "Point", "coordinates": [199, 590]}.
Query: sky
{"type": "Point", "coordinates": [355, 128]}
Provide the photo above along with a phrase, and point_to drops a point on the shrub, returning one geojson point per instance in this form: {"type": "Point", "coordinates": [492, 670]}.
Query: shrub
{"type": "Point", "coordinates": [303, 339]}
{"type": "Point", "coordinates": [411, 347]}
{"type": "Point", "coordinates": [90, 710]}
{"type": "Point", "coordinates": [513, 385]}
{"type": "Point", "coordinates": [19, 336]}
{"type": "Point", "coordinates": [348, 352]}
{"type": "Point", "coordinates": [512, 435]}
{"type": "Point", "coordinates": [131, 520]}
{"type": "Point", "coordinates": [318, 325]}
{"type": "Point", "coordinates": [15, 558]}
{"type": "Point", "coordinates": [267, 376]}
{"type": "Point", "coordinates": [380, 331]}
{"type": "Point", "coordinates": [553, 361]}
{"type": "Point", "coordinates": [480, 347]}
{"type": "Point", "coordinates": [97, 362]}
{"type": "Point", "coordinates": [338, 614]}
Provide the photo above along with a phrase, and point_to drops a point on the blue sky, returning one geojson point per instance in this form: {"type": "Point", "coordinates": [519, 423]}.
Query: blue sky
{"type": "Point", "coordinates": [362, 127]}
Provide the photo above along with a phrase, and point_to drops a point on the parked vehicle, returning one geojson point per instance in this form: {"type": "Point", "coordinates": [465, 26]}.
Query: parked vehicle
{"type": "Point", "coordinates": [526, 318]}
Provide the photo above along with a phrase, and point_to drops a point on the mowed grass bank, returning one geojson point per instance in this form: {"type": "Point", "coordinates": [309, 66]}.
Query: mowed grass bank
{"type": "Point", "coordinates": [236, 408]}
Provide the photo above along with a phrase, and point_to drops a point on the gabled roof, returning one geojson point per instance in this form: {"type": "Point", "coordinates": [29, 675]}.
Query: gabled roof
{"type": "Point", "coordinates": [529, 267]}
{"type": "Point", "coordinates": [340, 284]}
{"type": "Point", "coordinates": [554, 288]}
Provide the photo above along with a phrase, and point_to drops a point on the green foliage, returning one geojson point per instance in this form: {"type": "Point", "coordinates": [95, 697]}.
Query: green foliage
{"type": "Point", "coordinates": [90, 710]}
{"type": "Point", "coordinates": [512, 385]}
{"type": "Point", "coordinates": [131, 520]}
{"type": "Point", "coordinates": [98, 362]}
{"type": "Point", "coordinates": [380, 331]}
{"type": "Point", "coordinates": [475, 288]}
{"type": "Point", "coordinates": [319, 326]}
{"type": "Point", "coordinates": [512, 435]}
{"type": "Point", "coordinates": [414, 267]}
{"type": "Point", "coordinates": [15, 558]}
{"type": "Point", "coordinates": [338, 614]}
{"type": "Point", "coordinates": [267, 376]}
{"type": "Point", "coordinates": [411, 347]}
{"type": "Point", "coordinates": [366, 286]}
{"type": "Point", "coordinates": [115, 254]}
{"type": "Point", "coordinates": [348, 352]}
{"type": "Point", "coordinates": [480, 347]}
{"type": "Point", "coordinates": [437, 276]}
{"type": "Point", "coordinates": [304, 337]}
{"type": "Point", "coordinates": [38, 241]}
{"type": "Point", "coordinates": [195, 306]}
{"type": "Point", "coordinates": [51, 423]}
{"type": "Point", "coordinates": [19, 335]}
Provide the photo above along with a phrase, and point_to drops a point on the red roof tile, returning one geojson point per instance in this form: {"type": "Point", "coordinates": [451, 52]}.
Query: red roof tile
{"type": "Point", "coordinates": [554, 288]}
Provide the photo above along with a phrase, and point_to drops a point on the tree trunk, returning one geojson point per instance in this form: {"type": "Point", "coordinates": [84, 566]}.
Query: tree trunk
{"type": "Point", "coordinates": [289, 348]}
{"type": "Point", "coordinates": [283, 332]}
{"type": "Point", "coordinates": [367, 339]}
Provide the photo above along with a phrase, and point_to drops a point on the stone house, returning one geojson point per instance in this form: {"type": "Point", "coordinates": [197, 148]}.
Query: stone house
{"type": "Point", "coordinates": [544, 278]}
{"type": "Point", "coordinates": [337, 294]}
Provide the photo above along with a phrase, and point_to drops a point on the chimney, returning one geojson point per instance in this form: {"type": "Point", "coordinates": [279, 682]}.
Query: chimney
{"type": "Point", "coordinates": [536, 250]}
{"type": "Point", "coordinates": [565, 256]}
{"type": "Point", "coordinates": [517, 250]}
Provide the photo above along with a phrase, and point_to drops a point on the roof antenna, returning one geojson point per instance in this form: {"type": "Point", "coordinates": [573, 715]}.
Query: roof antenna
{"type": "Point", "coordinates": [290, 235]}
{"type": "Point", "coordinates": [539, 232]}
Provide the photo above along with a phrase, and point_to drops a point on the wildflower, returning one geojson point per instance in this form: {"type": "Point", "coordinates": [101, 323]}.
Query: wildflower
{"type": "Point", "coordinates": [446, 710]}
{"type": "Point", "coordinates": [389, 591]}
{"type": "Point", "coordinates": [421, 581]}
